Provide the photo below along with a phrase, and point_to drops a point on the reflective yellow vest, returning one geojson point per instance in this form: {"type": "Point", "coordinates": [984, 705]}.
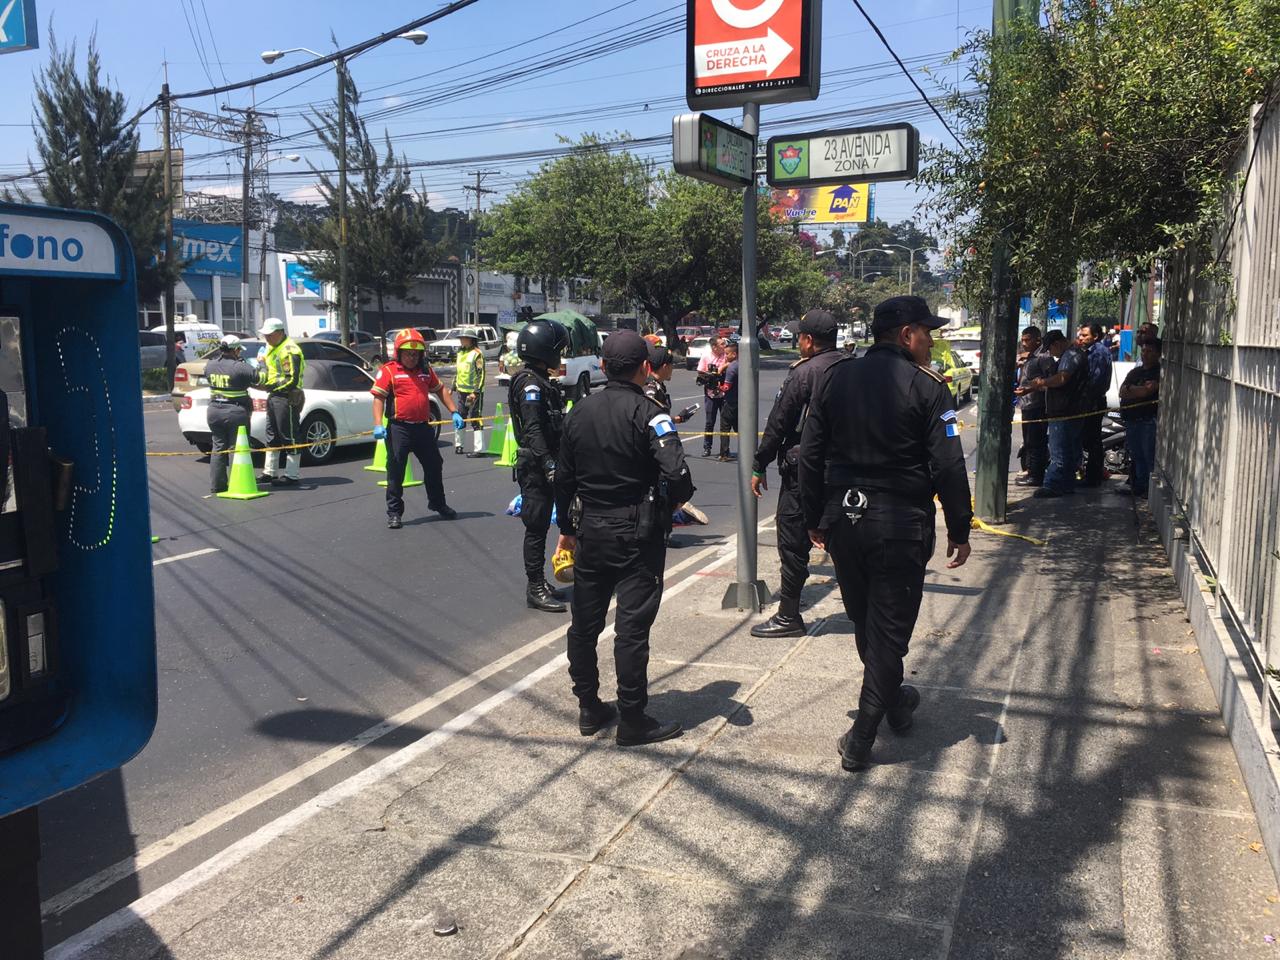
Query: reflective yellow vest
{"type": "Point", "coordinates": [470, 377]}
{"type": "Point", "coordinates": [282, 367]}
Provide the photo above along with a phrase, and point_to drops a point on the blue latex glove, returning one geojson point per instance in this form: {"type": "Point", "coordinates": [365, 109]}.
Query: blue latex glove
{"type": "Point", "coordinates": [379, 432]}
{"type": "Point", "coordinates": [458, 422]}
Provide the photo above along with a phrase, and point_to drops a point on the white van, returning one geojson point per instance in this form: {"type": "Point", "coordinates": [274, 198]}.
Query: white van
{"type": "Point", "coordinates": [201, 338]}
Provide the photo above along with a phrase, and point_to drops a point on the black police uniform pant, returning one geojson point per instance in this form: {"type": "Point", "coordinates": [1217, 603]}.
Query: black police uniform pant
{"type": "Point", "coordinates": [536, 501]}
{"type": "Point", "coordinates": [225, 421]}
{"type": "Point", "coordinates": [1091, 443]}
{"type": "Point", "coordinates": [1035, 445]}
{"type": "Point", "coordinates": [793, 538]}
{"type": "Point", "coordinates": [728, 424]}
{"type": "Point", "coordinates": [418, 439]}
{"type": "Point", "coordinates": [282, 431]}
{"type": "Point", "coordinates": [609, 559]}
{"type": "Point", "coordinates": [712, 406]}
{"type": "Point", "coordinates": [880, 565]}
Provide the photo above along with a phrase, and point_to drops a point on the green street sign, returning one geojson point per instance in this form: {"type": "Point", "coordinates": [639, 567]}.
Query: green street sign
{"type": "Point", "coordinates": [709, 149]}
{"type": "Point", "coordinates": [861, 154]}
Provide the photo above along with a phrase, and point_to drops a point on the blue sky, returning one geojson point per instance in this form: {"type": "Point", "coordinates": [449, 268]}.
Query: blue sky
{"type": "Point", "coordinates": [602, 95]}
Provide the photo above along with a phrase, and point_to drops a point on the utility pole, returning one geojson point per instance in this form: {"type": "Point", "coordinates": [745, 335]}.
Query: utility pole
{"type": "Point", "coordinates": [166, 107]}
{"type": "Point", "coordinates": [479, 190]}
{"type": "Point", "coordinates": [344, 294]}
{"type": "Point", "coordinates": [749, 592]}
{"type": "Point", "coordinates": [252, 131]}
{"type": "Point", "coordinates": [999, 338]}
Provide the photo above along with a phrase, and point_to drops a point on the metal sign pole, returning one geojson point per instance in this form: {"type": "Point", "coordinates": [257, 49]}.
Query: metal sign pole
{"type": "Point", "coordinates": [748, 593]}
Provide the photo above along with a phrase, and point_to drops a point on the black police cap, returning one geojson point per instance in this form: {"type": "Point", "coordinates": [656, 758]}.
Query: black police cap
{"type": "Point", "coordinates": [659, 356]}
{"type": "Point", "coordinates": [899, 311]}
{"type": "Point", "coordinates": [818, 323]}
{"type": "Point", "coordinates": [627, 347]}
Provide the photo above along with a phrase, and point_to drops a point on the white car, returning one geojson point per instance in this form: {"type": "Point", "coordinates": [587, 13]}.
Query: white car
{"type": "Point", "coordinates": [786, 336]}
{"type": "Point", "coordinates": [338, 407]}
{"type": "Point", "coordinates": [580, 375]}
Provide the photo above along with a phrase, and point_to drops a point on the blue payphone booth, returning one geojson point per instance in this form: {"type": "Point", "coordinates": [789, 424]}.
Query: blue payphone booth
{"type": "Point", "coordinates": [77, 623]}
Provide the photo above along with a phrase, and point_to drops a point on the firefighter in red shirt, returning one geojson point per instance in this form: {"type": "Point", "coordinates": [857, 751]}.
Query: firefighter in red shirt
{"type": "Point", "coordinates": [403, 389]}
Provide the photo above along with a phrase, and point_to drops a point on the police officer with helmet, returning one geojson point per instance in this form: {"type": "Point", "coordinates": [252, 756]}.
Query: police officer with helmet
{"type": "Point", "coordinates": [880, 441]}
{"type": "Point", "coordinates": [781, 441]}
{"type": "Point", "coordinates": [537, 415]}
{"type": "Point", "coordinates": [229, 404]}
{"type": "Point", "coordinates": [621, 468]}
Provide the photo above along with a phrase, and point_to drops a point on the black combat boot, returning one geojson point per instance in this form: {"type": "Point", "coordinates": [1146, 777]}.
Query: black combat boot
{"type": "Point", "coordinates": [594, 717]}
{"type": "Point", "coordinates": [900, 719]}
{"type": "Point", "coordinates": [642, 729]}
{"type": "Point", "coordinates": [785, 623]}
{"type": "Point", "coordinates": [539, 598]}
{"type": "Point", "coordinates": [855, 746]}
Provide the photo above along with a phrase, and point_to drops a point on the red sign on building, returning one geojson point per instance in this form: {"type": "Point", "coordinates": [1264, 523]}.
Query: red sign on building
{"type": "Point", "coordinates": [752, 51]}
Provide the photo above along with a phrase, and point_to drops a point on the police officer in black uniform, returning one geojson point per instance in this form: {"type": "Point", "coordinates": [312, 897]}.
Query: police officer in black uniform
{"type": "Point", "coordinates": [880, 440]}
{"type": "Point", "coordinates": [229, 404]}
{"type": "Point", "coordinates": [781, 441]}
{"type": "Point", "coordinates": [537, 413]}
{"type": "Point", "coordinates": [655, 387]}
{"type": "Point", "coordinates": [622, 462]}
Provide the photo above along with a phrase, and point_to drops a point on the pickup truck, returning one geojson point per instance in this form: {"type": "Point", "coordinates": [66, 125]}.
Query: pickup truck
{"type": "Point", "coordinates": [445, 350]}
{"type": "Point", "coordinates": [580, 374]}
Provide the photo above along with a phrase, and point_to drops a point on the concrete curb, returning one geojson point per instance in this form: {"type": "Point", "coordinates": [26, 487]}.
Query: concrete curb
{"type": "Point", "coordinates": [1225, 667]}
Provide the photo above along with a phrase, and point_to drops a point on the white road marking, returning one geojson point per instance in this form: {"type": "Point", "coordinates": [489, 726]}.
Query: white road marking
{"type": "Point", "coordinates": [122, 919]}
{"type": "Point", "coordinates": [185, 556]}
{"type": "Point", "coordinates": [105, 878]}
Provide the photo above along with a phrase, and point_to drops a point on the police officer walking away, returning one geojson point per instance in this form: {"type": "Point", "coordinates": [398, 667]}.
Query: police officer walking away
{"type": "Point", "coordinates": [880, 441]}
{"type": "Point", "coordinates": [537, 415]}
{"type": "Point", "coordinates": [229, 405]}
{"type": "Point", "coordinates": [781, 441]}
{"type": "Point", "coordinates": [468, 388]}
{"type": "Point", "coordinates": [622, 462]}
{"type": "Point", "coordinates": [402, 391]}
{"type": "Point", "coordinates": [281, 376]}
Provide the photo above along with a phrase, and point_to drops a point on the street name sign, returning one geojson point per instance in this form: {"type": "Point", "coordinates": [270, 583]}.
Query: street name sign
{"type": "Point", "coordinates": [18, 26]}
{"type": "Point", "coordinates": [752, 51]}
{"type": "Point", "coordinates": [712, 150]}
{"type": "Point", "coordinates": [863, 154]}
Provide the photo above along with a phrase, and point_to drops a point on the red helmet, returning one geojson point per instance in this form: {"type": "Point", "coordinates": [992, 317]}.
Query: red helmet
{"type": "Point", "coordinates": [409, 339]}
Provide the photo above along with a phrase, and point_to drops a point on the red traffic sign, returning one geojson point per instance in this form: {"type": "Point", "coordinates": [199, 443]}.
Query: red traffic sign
{"type": "Point", "coordinates": [752, 51]}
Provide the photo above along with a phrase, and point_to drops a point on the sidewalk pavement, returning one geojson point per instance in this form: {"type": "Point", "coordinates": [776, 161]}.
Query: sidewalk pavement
{"type": "Point", "coordinates": [1068, 791]}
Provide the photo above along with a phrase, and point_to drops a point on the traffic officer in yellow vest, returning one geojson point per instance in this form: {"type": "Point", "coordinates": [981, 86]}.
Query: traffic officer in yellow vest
{"type": "Point", "coordinates": [468, 390]}
{"type": "Point", "coordinates": [281, 376]}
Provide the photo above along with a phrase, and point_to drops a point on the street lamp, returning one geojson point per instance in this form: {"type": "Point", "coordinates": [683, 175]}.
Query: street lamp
{"type": "Point", "coordinates": [853, 259]}
{"type": "Point", "coordinates": [911, 269]}
{"type": "Point", "coordinates": [417, 38]}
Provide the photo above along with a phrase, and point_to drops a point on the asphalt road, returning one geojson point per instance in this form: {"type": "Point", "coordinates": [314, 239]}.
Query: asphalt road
{"type": "Point", "coordinates": [303, 623]}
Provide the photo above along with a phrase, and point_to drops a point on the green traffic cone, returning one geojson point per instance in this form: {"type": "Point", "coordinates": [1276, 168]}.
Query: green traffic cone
{"type": "Point", "coordinates": [509, 448]}
{"type": "Point", "coordinates": [379, 464]}
{"type": "Point", "coordinates": [409, 480]}
{"type": "Point", "coordinates": [242, 484]}
{"type": "Point", "coordinates": [498, 436]}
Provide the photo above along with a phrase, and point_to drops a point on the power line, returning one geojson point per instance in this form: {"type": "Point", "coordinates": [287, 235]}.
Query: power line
{"type": "Point", "coordinates": [893, 53]}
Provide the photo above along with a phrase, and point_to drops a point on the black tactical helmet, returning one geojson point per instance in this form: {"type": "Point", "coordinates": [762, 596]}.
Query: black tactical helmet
{"type": "Point", "coordinates": [542, 340]}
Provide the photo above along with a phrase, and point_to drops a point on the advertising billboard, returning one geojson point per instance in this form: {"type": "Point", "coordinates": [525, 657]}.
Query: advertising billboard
{"type": "Point", "coordinates": [210, 248]}
{"type": "Point", "coordinates": [752, 51]}
{"type": "Point", "coordinates": [299, 284]}
{"type": "Point", "coordinates": [846, 203]}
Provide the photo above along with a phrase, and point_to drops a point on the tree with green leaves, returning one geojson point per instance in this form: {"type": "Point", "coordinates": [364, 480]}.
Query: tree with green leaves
{"type": "Point", "coordinates": [88, 148]}
{"type": "Point", "coordinates": [671, 243]}
{"type": "Point", "coordinates": [1105, 138]}
{"type": "Point", "coordinates": [388, 222]}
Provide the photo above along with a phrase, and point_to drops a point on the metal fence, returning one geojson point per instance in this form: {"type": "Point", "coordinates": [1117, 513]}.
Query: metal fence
{"type": "Point", "coordinates": [1219, 430]}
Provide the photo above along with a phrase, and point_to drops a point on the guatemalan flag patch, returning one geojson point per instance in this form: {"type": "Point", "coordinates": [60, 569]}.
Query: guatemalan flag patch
{"type": "Point", "coordinates": [533, 393]}
{"type": "Point", "coordinates": [662, 425]}
{"type": "Point", "coordinates": [953, 430]}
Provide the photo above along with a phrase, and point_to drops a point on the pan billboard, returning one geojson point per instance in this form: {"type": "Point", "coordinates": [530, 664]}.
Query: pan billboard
{"type": "Point", "coordinates": [845, 203]}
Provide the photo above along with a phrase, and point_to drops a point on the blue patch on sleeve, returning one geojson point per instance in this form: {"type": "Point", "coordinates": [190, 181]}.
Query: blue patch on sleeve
{"type": "Point", "coordinates": [662, 425]}
{"type": "Point", "coordinates": [949, 415]}
{"type": "Point", "coordinates": [953, 430]}
{"type": "Point", "coordinates": [533, 393]}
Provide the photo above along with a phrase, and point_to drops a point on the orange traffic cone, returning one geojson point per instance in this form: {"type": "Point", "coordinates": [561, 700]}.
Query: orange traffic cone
{"type": "Point", "coordinates": [241, 484]}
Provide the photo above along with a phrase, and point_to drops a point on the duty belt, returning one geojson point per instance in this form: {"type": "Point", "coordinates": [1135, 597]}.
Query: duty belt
{"type": "Point", "coordinates": [621, 513]}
